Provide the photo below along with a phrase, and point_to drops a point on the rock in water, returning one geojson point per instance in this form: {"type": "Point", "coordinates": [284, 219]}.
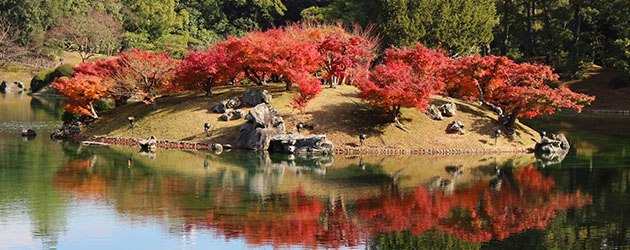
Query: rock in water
{"type": "Point", "coordinates": [448, 109]}
{"type": "Point", "coordinates": [263, 122]}
{"type": "Point", "coordinates": [434, 113]}
{"type": "Point", "coordinates": [253, 97]}
{"type": "Point", "coordinates": [148, 144]}
{"type": "Point", "coordinates": [29, 132]}
{"type": "Point", "coordinates": [300, 144]}
{"type": "Point", "coordinates": [11, 87]}
{"type": "Point", "coordinates": [66, 131]}
{"type": "Point", "coordinates": [552, 149]}
{"type": "Point", "coordinates": [456, 127]}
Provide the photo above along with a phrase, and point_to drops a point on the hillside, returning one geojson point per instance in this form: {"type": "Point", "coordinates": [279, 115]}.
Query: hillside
{"type": "Point", "coordinates": [597, 82]}
{"type": "Point", "coordinates": [338, 113]}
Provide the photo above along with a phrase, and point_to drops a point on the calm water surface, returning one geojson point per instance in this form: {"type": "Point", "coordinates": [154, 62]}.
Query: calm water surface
{"type": "Point", "coordinates": [66, 196]}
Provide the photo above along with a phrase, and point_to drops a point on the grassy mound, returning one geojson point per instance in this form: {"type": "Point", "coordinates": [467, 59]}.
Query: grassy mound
{"type": "Point", "coordinates": [338, 113]}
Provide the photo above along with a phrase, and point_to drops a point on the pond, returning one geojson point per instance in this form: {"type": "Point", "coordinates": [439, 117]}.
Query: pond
{"type": "Point", "coordinates": [63, 195]}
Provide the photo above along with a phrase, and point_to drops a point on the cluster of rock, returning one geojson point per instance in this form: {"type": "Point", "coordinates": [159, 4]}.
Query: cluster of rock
{"type": "Point", "coordinates": [226, 104]}
{"type": "Point", "coordinates": [263, 123]}
{"type": "Point", "coordinates": [448, 109]}
{"type": "Point", "coordinates": [230, 108]}
{"type": "Point", "coordinates": [445, 110]}
{"type": "Point", "coordinates": [552, 149]}
{"type": "Point", "coordinates": [11, 87]}
{"type": "Point", "coordinates": [265, 130]}
{"type": "Point", "coordinates": [67, 131]}
{"type": "Point", "coordinates": [232, 115]}
{"type": "Point", "coordinates": [301, 144]}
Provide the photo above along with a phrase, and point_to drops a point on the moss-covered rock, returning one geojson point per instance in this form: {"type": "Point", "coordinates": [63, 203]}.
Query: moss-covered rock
{"type": "Point", "coordinates": [45, 77]}
{"type": "Point", "coordinates": [39, 80]}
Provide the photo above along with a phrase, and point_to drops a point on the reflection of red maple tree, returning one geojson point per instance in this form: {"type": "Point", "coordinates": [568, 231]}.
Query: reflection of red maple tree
{"type": "Point", "coordinates": [477, 213]}
{"type": "Point", "coordinates": [74, 177]}
{"type": "Point", "coordinates": [480, 215]}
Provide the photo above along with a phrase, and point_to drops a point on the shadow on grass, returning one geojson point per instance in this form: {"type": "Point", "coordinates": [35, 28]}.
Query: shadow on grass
{"type": "Point", "coordinates": [351, 118]}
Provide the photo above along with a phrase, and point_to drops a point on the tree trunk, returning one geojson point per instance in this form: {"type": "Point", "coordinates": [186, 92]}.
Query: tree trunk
{"type": "Point", "coordinates": [334, 81]}
{"type": "Point", "coordinates": [208, 87]}
{"type": "Point", "coordinates": [577, 18]}
{"type": "Point", "coordinates": [121, 100]}
{"type": "Point", "coordinates": [483, 100]}
{"type": "Point", "coordinates": [511, 119]}
{"type": "Point", "coordinates": [506, 29]}
{"type": "Point", "coordinates": [394, 113]}
{"type": "Point", "coordinates": [530, 15]}
{"type": "Point", "coordinates": [288, 85]}
{"type": "Point", "coordinates": [93, 111]}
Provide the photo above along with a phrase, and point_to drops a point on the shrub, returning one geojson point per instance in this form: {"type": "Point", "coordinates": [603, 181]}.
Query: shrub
{"type": "Point", "coordinates": [69, 117]}
{"type": "Point", "coordinates": [102, 106]}
{"type": "Point", "coordinates": [39, 80]}
{"type": "Point", "coordinates": [63, 70]}
{"type": "Point", "coordinates": [46, 77]}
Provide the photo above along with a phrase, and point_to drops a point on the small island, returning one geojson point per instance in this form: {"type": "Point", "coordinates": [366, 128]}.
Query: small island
{"type": "Point", "coordinates": [338, 113]}
{"type": "Point", "coordinates": [320, 80]}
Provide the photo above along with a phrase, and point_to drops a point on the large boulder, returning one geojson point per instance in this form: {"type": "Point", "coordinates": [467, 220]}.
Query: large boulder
{"type": "Point", "coordinates": [552, 149]}
{"type": "Point", "coordinates": [448, 109]}
{"type": "Point", "coordinates": [263, 123]}
{"type": "Point", "coordinates": [253, 97]}
{"type": "Point", "coordinates": [456, 127]}
{"type": "Point", "coordinates": [434, 113]}
{"type": "Point", "coordinates": [301, 144]}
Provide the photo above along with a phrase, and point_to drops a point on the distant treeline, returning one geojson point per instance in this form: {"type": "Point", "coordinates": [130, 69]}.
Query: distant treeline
{"type": "Point", "coordinates": [570, 35]}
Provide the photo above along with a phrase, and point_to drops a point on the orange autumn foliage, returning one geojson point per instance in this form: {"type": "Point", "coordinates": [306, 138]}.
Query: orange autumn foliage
{"type": "Point", "coordinates": [82, 93]}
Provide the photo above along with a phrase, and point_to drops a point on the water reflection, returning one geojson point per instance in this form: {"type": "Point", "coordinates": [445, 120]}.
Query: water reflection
{"type": "Point", "coordinates": [60, 194]}
{"type": "Point", "coordinates": [291, 201]}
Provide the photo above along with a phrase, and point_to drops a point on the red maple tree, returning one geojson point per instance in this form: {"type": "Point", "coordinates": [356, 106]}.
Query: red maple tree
{"type": "Point", "coordinates": [512, 90]}
{"type": "Point", "coordinates": [118, 80]}
{"type": "Point", "coordinates": [340, 54]}
{"type": "Point", "coordinates": [206, 69]}
{"type": "Point", "coordinates": [82, 93]}
{"type": "Point", "coordinates": [406, 78]}
{"type": "Point", "coordinates": [152, 71]}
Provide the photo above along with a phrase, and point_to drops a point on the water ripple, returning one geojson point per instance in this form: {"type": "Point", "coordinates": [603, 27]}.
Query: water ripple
{"type": "Point", "coordinates": [39, 126]}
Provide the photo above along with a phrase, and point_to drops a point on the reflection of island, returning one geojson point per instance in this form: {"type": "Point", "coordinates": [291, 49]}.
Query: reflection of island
{"type": "Point", "coordinates": [478, 213]}
{"type": "Point", "coordinates": [278, 202]}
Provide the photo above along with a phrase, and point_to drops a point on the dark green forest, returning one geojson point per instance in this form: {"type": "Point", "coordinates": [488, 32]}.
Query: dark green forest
{"type": "Point", "coordinates": [570, 35]}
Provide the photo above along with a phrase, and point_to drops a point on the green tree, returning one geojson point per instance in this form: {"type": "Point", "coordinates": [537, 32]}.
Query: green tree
{"type": "Point", "coordinates": [459, 26]}
{"type": "Point", "coordinates": [95, 32]}
{"type": "Point", "coordinates": [212, 20]}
